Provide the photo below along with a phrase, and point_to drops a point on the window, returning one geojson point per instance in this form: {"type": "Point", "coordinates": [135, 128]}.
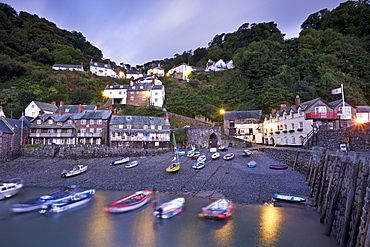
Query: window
{"type": "Point", "coordinates": [91, 121]}
{"type": "Point", "coordinates": [301, 125]}
{"type": "Point", "coordinates": [59, 130]}
{"type": "Point", "coordinates": [320, 109]}
{"type": "Point", "coordinates": [83, 130]}
{"type": "Point", "coordinates": [292, 115]}
{"type": "Point", "coordinates": [159, 127]}
{"type": "Point", "coordinates": [83, 122]}
{"type": "Point", "coordinates": [156, 93]}
{"type": "Point", "coordinates": [285, 127]}
{"type": "Point", "coordinates": [91, 130]}
{"type": "Point", "coordinates": [293, 140]}
{"type": "Point", "coordinates": [152, 127]}
{"type": "Point", "coordinates": [145, 126]}
{"type": "Point", "coordinates": [286, 140]}
{"type": "Point", "coordinates": [99, 122]}
{"type": "Point", "coordinates": [129, 126]}
{"type": "Point", "coordinates": [277, 127]}
{"type": "Point", "coordinates": [231, 124]}
{"type": "Point", "coordinates": [50, 121]}
{"type": "Point", "coordinates": [300, 112]}
{"type": "Point", "coordinates": [38, 121]}
{"type": "Point", "coordinates": [69, 122]}
{"type": "Point", "coordinates": [69, 131]}
{"type": "Point", "coordinates": [131, 98]}
{"type": "Point", "coordinates": [99, 130]}
{"type": "Point", "coordinates": [292, 125]}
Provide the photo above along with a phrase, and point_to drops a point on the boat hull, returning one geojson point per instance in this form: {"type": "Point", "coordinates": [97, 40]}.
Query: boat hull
{"type": "Point", "coordinates": [120, 162]}
{"type": "Point", "coordinates": [229, 156]}
{"type": "Point", "coordinates": [169, 209]}
{"type": "Point", "coordinates": [173, 168]}
{"type": "Point", "coordinates": [278, 167]}
{"type": "Point", "coordinates": [71, 173]}
{"type": "Point", "coordinates": [199, 165]}
{"type": "Point", "coordinates": [288, 198]}
{"type": "Point", "coordinates": [132, 164]}
{"type": "Point", "coordinates": [215, 156]}
{"type": "Point", "coordinates": [218, 210]}
{"type": "Point", "coordinates": [9, 189]}
{"type": "Point", "coordinates": [124, 204]}
{"type": "Point", "coordinates": [252, 164]}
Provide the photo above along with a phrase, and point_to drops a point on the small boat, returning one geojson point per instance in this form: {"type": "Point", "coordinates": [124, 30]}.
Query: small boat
{"type": "Point", "coordinates": [288, 198]}
{"type": "Point", "coordinates": [169, 209]}
{"type": "Point", "coordinates": [215, 156]}
{"type": "Point", "coordinates": [182, 153]}
{"type": "Point", "coordinates": [229, 156]}
{"type": "Point", "coordinates": [196, 156]}
{"type": "Point", "coordinates": [173, 167]}
{"type": "Point", "coordinates": [36, 203]}
{"type": "Point", "coordinates": [190, 154]}
{"type": "Point", "coordinates": [222, 149]}
{"type": "Point", "coordinates": [67, 203]}
{"type": "Point", "coordinates": [252, 164]}
{"type": "Point", "coordinates": [247, 152]}
{"type": "Point", "coordinates": [220, 209]}
{"type": "Point", "coordinates": [202, 158]}
{"type": "Point", "coordinates": [10, 187]}
{"type": "Point", "coordinates": [199, 165]}
{"type": "Point", "coordinates": [132, 164]}
{"type": "Point", "coordinates": [78, 169]}
{"type": "Point", "coordinates": [130, 202]}
{"type": "Point", "coordinates": [120, 161]}
{"type": "Point", "coordinates": [278, 167]}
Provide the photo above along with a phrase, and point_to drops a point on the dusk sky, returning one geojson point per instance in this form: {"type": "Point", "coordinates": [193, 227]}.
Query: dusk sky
{"type": "Point", "coordinates": [139, 31]}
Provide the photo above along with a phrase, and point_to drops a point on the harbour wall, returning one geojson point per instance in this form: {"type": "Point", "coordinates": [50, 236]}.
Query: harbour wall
{"type": "Point", "coordinates": [340, 190]}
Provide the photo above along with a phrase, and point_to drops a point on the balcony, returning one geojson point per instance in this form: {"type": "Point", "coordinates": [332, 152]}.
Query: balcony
{"type": "Point", "coordinates": [89, 135]}
{"type": "Point", "coordinates": [322, 115]}
{"type": "Point", "coordinates": [52, 135]}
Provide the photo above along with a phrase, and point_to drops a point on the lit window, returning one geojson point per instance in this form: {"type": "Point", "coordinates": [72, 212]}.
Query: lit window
{"type": "Point", "coordinates": [83, 121]}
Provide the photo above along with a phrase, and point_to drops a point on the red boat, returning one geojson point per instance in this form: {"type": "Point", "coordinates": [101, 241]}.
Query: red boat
{"type": "Point", "coordinates": [130, 202]}
{"type": "Point", "coordinates": [278, 167]}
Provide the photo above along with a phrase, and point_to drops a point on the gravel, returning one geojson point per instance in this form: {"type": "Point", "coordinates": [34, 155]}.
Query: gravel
{"type": "Point", "coordinates": [219, 178]}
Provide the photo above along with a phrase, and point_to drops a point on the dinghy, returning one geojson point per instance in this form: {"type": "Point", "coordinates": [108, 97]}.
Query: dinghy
{"type": "Point", "coordinates": [130, 202]}
{"type": "Point", "coordinates": [199, 165]}
{"type": "Point", "coordinates": [220, 209]}
{"type": "Point", "coordinates": [229, 156]}
{"type": "Point", "coordinates": [278, 167]}
{"type": "Point", "coordinates": [76, 170]}
{"type": "Point", "coordinates": [120, 161]}
{"type": "Point", "coordinates": [288, 198]}
{"type": "Point", "coordinates": [215, 156]}
{"type": "Point", "coordinates": [252, 164]}
{"type": "Point", "coordinates": [132, 164]}
{"type": "Point", "coordinates": [169, 209]}
{"type": "Point", "coordinates": [10, 187]}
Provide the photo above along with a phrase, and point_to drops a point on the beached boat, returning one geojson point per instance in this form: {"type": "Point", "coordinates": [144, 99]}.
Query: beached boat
{"type": "Point", "coordinates": [169, 209]}
{"type": "Point", "coordinates": [130, 202]}
{"type": "Point", "coordinates": [223, 149]}
{"type": "Point", "coordinates": [190, 153]}
{"type": "Point", "coordinates": [182, 153]}
{"type": "Point", "coordinates": [67, 203]}
{"type": "Point", "coordinates": [199, 165]}
{"type": "Point", "coordinates": [120, 161]}
{"type": "Point", "coordinates": [76, 170]}
{"type": "Point", "coordinates": [252, 164]}
{"type": "Point", "coordinates": [10, 187]}
{"type": "Point", "coordinates": [229, 156]}
{"type": "Point", "coordinates": [288, 198]}
{"type": "Point", "coordinates": [196, 156]}
{"type": "Point", "coordinates": [220, 209]}
{"type": "Point", "coordinates": [202, 158]}
{"type": "Point", "coordinates": [132, 164]}
{"type": "Point", "coordinates": [278, 167]}
{"type": "Point", "coordinates": [36, 203]}
{"type": "Point", "coordinates": [175, 164]}
{"type": "Point", "coordinates": [215, 156]}
{"type": "Point", "coordinates": [247, 152]}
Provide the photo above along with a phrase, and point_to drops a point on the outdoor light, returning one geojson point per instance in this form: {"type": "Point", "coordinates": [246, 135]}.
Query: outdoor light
{"type": "Point", "coordinates": [222, 111]}
{"type": "Point", "coordinates": [360, 120]}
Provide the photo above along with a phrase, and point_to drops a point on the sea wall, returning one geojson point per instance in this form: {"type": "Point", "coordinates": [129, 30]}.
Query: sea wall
{"type": "Point", "coordinates": [86, 151]}
{"type": "Point", "coordinates": [340, 190]}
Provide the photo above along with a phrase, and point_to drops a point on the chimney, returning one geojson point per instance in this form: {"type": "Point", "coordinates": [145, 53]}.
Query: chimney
{"type": "Point", "coordinates": [282, 107]}
{"type": "Point", "coordinates": [41, 112]}
{"type": "Point", "coordinates": [297, 101]}
{"type": "Point", "coordinates": [166, 116]}
{"type": "Point", "coordinates": [97, 107]}
{"type": "Point", "coordinates": [61, 111]}
{"type": "Point", "coordinates": [79, 108]}
{"type": "Point", "coordinates": [115, 112]}
{"type": "Point", "coordinates": [61, 103]}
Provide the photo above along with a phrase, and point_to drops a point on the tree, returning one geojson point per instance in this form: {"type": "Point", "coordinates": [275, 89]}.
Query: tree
{"type": "Point", "coordinates": [81, 96]}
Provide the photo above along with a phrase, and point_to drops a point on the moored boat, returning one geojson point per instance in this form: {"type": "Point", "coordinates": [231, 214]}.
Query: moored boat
{"type": "Point", "coordinates": [36, 203]}
{"type": "Point", "coordinates": [10, 187]}
{"type": "Point", "coordinates": [247, 152]}
{"type": "Point", "coordinates": [199, 165]}
{"type": "Point", "coordinates": [220, 209]}
{"type": "Point", "coordinates": [223, 149]}
{"type": "Point", "coordinates": [132, 164]}
{"type": "Point", "coordinates": [182, 153]}
{"type": "Point", "coordinates": [202, 158]}
{"type": "Point", "coordinates": [278, 167]}
{"type": "Point", "coordinates": [67, 203]}
{"type": "Point", "coordinates": [215, 156]}
{"type": "Point", "coordinates": [252, 164]}
{"type": "Point", "coordinates": [229, 156]}
{"type": "Point", "coordinates": [288, 198]}
{"type": "Point", "coordinates": [120, 161]}
{"type": "Point", "coordinates": [173, 167]}
{"type": "Point", "coordinates": [169, 209]}
{"type": "Point", "coordinates": [76, 170]}
{"type": "Point", "coordinates": [130, 202]}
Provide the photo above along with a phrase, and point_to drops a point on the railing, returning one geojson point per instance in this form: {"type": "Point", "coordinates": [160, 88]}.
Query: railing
{"type": "Point", "coordinates": [322, 115]}
{"type": "Point", "coordinates": [52, 135]}
{"type": "Point", "coordinates": [143, 138]}
{"type": "Point", "coordinates": [89, 135]}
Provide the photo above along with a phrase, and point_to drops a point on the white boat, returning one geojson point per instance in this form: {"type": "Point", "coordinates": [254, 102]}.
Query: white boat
{"type": "Point", "coordinates": [220, 209]}
{"type": "Point", "coordinates": [10, 187]}
{"type": "Point", "coordinates": [130, 202]}
{"type": "Point", "coordinates": [132, 164]}
{"type": "Point", "coordinates": [120, 161]}
{"type": "Point", "coordinates": [215, 156]}
{"type": "Point", "coordinates": [229, 156]}
{"type": "Point", "coordinates": [202, 158]}
{"type": "Point", "coordinates": [78, 169]}
{"type": "Point", "coordinates": [36, 203]}
{"type": "Point", "coordinates": [199, 165]}
{"type": "Point", "coordinates": [288, 198]}
{"type": "Point", "coordinates": [68, 202]}
{"type": "Point", "coordinates": [169, 209]}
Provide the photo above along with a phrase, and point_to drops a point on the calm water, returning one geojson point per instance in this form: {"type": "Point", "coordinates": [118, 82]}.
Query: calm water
{"type": "Point", "coordinates": [89, 226]}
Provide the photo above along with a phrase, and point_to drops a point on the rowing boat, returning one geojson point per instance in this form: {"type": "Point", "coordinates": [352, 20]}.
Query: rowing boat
{"type": "Point", "coordinates": [130, 202]}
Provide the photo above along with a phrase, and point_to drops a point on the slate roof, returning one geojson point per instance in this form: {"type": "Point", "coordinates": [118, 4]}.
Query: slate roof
{"type": "Point", "coordinates": [55, 117]}
{"type": "Point", "coordinates": [141, 86]}
{"type": "Point", "coordinates": [243, 114]}
{"type": "Point", "coordinates": [93, 114]}
{"type": "Point", "coordinates": [74, 108]}
{"type": "Point", "coordinates": [139, 120]}
{"type": "Point", "coordinates": [46, 106]}
{"type": "Point", "coordinates": [363, 108]}
{"type": "Point", "coordinates": [18, 123]}
{"type": "Point", "coordinates": [115, 85]}
{"type": "Point", "coordinates": [4, 128]}
{"type": "Point", "coordinates": [157, 87]}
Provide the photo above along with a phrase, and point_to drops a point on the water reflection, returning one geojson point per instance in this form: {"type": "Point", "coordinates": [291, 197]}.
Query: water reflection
{"type": "Point", "coordinates": [270, 225]}
{"type": "Point", "coordinates": [225, 234]}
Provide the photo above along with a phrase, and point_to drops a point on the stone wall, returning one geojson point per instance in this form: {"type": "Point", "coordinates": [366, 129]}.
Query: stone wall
{"type": "Point", "coordinates": [86, 151]}
{"type": "Point", "coordinates": [340, 190]}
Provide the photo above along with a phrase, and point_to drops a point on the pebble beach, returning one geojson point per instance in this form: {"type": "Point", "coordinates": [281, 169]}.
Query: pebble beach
{"type": "Point", "coordinates": [219, 178]}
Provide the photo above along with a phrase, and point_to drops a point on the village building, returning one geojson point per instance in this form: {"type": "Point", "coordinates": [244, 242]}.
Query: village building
{"type": "Point", "coordinates": [362, 114]}
{"type": "Point", "coordinates": [182, 71]}
{"type": "Point", "coordinates": [242, 124]}
{"type": "Point", "coordinates": [68, 67]}
{"type": "Point", "coordinates": [158, 71]}
{"type": "Point", "coordinates": [220, 65]}
{"type": "Point", "coordinates": [35, 108]}
{"type": "Point", "coordinates": [139, 131]}
{"type": "Point", "coordinates": [133, 74]}
{"type": "Point", "coordinates": [147, 90]}
{"type": "Point", "coordinates": [102, 69]}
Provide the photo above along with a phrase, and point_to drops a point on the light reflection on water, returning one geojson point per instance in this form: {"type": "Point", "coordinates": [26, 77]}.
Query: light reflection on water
{"type": "Point", "coordinates": [90, 226]}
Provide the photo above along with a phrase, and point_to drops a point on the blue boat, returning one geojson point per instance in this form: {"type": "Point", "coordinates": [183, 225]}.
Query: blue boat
{"type": "Point", "coordinates": [199, 165]}
{"type": "Point", "coordinates": [288, 198]}
{"type": "Point", "coordinates": [252, 164]}
{"type": "Point", "coordinates": [278, 167]}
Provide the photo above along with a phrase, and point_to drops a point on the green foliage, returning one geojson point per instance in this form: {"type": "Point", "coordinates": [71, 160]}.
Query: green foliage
{"type": "Point", "coordinates": [143, 110]}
